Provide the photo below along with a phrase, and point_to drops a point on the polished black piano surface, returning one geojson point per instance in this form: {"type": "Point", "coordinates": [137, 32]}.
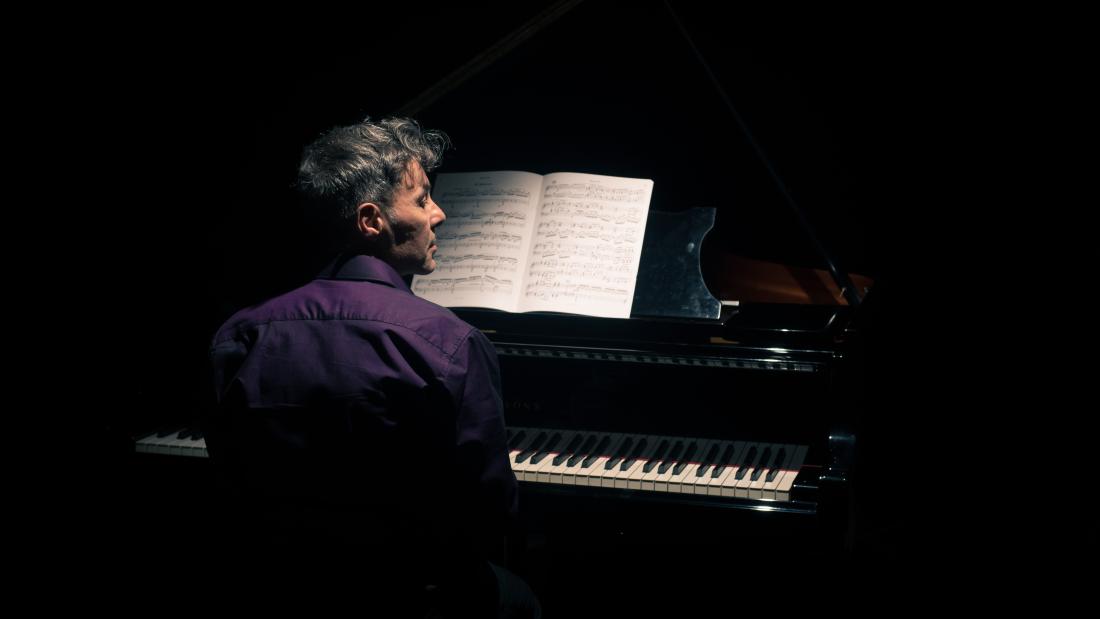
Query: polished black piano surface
{"type": "Point", "coordinates": [760, 121]}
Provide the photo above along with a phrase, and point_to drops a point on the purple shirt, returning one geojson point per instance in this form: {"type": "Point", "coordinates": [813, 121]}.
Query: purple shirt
{"type": "Point", "coordinates": [352, 389]}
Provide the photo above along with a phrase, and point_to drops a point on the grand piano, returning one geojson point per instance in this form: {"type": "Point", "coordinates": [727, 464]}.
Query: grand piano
{"type": "Point", "coordinates": [718, 423]}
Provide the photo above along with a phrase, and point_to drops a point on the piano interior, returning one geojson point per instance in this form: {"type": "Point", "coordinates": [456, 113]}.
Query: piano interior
{"type": "Point", "coordinates": [763, 464]}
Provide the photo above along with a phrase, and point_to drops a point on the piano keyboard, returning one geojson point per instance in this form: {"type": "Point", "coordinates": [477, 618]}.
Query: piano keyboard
{"type": "Point", "coordinates": [185, 442]}
{"type": "Point", "coordinates": [698, 466]}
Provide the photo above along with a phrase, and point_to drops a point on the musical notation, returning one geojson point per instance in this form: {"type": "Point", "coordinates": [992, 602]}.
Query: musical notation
{"type": "Point", "coordinates": [481, 191]}
{"type": "Point", "coordinates": [570, 242]}
{"type": "Point", "coordinates": [586, 230]}
{"type": "Point", "coordinates": [507, 219]}
{"type": "Point", "coordinates": [473, 263]}
{"type": "Point", "coordinates": [593, 191]}
{"type": "Point", "coordinates": [593, 210]}
{"type": "Point", "coordinates": [578, 293]}
{"type": "Point", "coordinates": [586, 244]}
{"type": "Point", "coordinates": [481, 240]}
{"type": "Point", "coordinates": [588, 275]}
{"type": "Point", "coordinates": [562, 253]}
{"type": "Point", "coordinates": [473, 283]}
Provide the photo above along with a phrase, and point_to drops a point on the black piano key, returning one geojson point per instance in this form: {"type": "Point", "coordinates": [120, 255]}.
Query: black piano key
{"type": "Point", "coordinates": [165, 433]}
{"type": "Point", "coordinates": [196, 435]}
{"type": "Point", "coordinates": [545, 451]}
{"type": "Point", "coordinates": [657, 456]}
{"type": "Point", "coordinates": [569, 449]}
{"type": "Point", "coordinates": [596, 453]}
{"type": "Point", "coordinates": [673, 455]}
{"type": "Point", "coordinates": [779, 457]}
{"type": "Point", "coordinates": [583, 451]}
{"type": "Point", "coordinates": [617, 457]}
{"type": "Point", "coordinates": [517, 438]}
{"type": "Point", "coordinates": [723, 462]}
{"type": "Point", "coordinates": [707, 460]}
{"type": "Point", "coordinates": [639, 449]}
{"type": "Point", "coordinates": [533, 448]}
{"type": "Point", "coordinates": [688, 455]}
{"type": "Point", "coordinates": [746, 462]}
{"type": "Point", "coordinates": [765, 461]}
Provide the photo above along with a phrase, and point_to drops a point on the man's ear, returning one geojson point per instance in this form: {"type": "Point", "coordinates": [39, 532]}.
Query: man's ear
{"type": "Point", "coordinates": [369, 219]}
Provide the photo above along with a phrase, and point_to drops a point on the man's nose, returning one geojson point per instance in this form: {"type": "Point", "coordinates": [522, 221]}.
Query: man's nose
{"type": "Point", "coordinates": [439, 216]}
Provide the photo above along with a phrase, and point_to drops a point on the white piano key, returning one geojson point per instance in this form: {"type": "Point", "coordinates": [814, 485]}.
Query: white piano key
{"type": "Point", "coordinates": [172, 445]}
{"type": "Point", "coordinates": [583, 474]}
{"type": "Point", "coordinates": [552, 473]}
{"type": "Point", "coordinates": [632, 480]}
{"type": "Point", "coordinates": [606, 476]}
{"type": "Point", "coordinates": [742, 486]}
{"type": "Point", "coordinates": [528, 437]}
{"type": "Point", "coordinates": [144, 443]}
{"type": "Point", "coordinates": [200, 449]}
{"type": "Point", "coordinates": [729, 486]}
{"type": "Point", "coordinates": [195, 448]}
{"type": "Point", "coordinates": [699, 484]}
{"type": "Point", "coordinates": [163, 444]}
{"type": "Point", "coordinates": [540, 472]}
{"type": "Point", "coordinates": [521, 468]}
{"type": "Point", "coordinates": [649, 479]}
{"type": "Point", "coordinates": [782, 491]}
{"type": "Point", "coordinates": [756, 488]}
{"type": "Point", "coordinates": [660, 484]}
{"type": "Point", "coordinates": [696, 483]}
{"type": "Point", "coordinates": [182, 446]}
{"type": "Point", "coordinates": [681, 482]}
{"type": "Point", "coordinates": [768, 489]}
{"type": "Point", "coordinates": [616, 477]}
{"type": "Point", "coordinates": [159, 444]}
{"type": "Point", "coordinates": [596, 471]}
{"type": "Point", "coordinates": [569, 475]}
{"type": "Point", "coordinates": [714, 485]}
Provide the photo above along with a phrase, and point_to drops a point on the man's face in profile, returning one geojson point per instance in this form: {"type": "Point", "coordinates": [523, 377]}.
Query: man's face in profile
{"type": "Point", "coordinates": [412, 218]}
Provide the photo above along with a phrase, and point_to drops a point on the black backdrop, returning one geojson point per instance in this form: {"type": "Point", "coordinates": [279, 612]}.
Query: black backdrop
{"type": "Point", "coordinates": [197, 122]}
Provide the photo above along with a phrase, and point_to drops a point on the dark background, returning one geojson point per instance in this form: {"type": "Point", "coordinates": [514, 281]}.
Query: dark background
{"type": "Point", "coordinates": [199, 120]}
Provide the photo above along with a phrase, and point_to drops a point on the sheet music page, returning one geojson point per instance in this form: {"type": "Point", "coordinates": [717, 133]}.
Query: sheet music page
{"type": "Point", "coordinates": [587, 245]}
{"type": "Point", "coordinates": [484, 243]}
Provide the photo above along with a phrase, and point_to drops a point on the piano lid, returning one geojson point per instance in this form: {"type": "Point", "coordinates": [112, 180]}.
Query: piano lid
{"type": "Point", "coordinates": [747, 117]}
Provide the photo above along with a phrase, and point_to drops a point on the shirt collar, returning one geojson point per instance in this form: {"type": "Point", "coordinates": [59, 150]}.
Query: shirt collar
{"type": "Point", "coordinates": [361, 267]}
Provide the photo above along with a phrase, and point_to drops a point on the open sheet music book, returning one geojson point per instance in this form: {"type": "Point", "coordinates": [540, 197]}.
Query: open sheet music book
{"type": "Point", "coordinates": [521, 242]}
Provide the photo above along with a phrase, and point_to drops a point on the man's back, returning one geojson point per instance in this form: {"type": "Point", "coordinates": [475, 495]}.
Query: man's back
{"type": "Point", "coordinates": [350, 393]}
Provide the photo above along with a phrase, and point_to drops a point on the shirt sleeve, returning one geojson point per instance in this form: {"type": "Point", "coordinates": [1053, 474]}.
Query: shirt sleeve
{"type": "Point", "coordinates": [481, 438]}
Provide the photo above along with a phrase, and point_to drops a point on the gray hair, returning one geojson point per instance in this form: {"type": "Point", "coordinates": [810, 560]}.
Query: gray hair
{"type": "Point", "coordinates": [364, 162]}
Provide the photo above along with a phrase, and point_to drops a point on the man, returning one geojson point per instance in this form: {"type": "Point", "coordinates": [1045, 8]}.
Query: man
{"type": "Point", "coordinates": [355, 411]}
